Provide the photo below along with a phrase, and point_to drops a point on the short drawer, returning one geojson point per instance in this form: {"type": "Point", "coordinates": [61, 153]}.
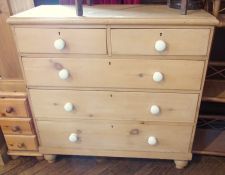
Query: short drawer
{"type": "Point", "coordinates": [117, 73]}
{"type": "Point", "coordinates": [114, 135]}
{"type": "Point", "coordinates": [21, 142]}
{"type": "Point", "coordinates": [175, 41]}
{"type": "Point", "coordinates": [17, 126]}
{"type": "Point", "coordinates": [13, 107]}
{"type": "Point", "coordinates": [142, 106]}
{"type": "Point", "coordinates": [45, 40]}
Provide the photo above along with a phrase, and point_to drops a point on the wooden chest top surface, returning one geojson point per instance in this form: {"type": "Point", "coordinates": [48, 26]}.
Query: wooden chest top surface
{"type": "Point", "coordinates": [112, 14]}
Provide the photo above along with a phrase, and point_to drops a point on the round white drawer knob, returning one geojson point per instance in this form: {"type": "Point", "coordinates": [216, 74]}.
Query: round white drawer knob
{"type": "Point", "coordinates": [59, 44]}
{"type": "Point", "coordinates": [160, 45]}
{"type": "Point", "coordinates": [157, 76]}
{"type": "Point", "coordinates": [64, 74]}
{"type": "Point", "coordinates": [155, 110]}
{"type": "Point", "coordinates": [68, 107]}
{"type": "Point", "coordinates": [152, 140]}
{"type": "Point", "coordinates": [73, 137]}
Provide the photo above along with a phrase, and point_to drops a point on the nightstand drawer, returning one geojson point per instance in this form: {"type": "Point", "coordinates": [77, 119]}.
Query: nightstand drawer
{"type": "Point", "coordinates": [142, 106]}
{"type": "Point", "coordinates": [12, 107]}
{"type": "Point", "coordinates": [17, 126]}
{"type": "Point", "coordinates": [116, 73]}
{"type": "Point", "coordinates": [45, 40]}
{"type": "Point", "coordinates": [114, 135]}
{"type": "Point", "coordinates": [21, 142]}
{"type": "Point", "coordinates": [160, 41]}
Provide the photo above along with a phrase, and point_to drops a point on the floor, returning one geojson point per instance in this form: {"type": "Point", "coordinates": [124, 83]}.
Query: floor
{"type": "Point", "coordinates": [77, 165]}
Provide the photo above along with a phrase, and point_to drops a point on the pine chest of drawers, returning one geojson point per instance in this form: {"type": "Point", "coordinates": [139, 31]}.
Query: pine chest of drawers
{"type": "Point", "coordinates": [121, 81]}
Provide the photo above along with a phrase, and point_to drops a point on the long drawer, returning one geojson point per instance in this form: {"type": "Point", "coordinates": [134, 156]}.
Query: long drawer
{"type": "Point", "coordinates": [13, 107]}
{"type": "Point", "coordinates": [47, 40]}
{"type": "Point", "coordinates": [114, 135]}
{"type": "Point", "coordinates": [142, 106]}
{"type": "Point", "coordinates": [116, 73]}
{"type": "Point", "coordinates": [171, 41]}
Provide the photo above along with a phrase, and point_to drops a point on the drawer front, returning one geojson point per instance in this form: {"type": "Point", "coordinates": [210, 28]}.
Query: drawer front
{"type": "Point", "coordinates": [43, 40]}
{"type": "Point", "coordinates": [114, 135]}
{"type": "Point", "coordinates": [17, 126]}
{"type": "Point", "coordinates": [10, 107]}
{"type": "Point", "coordinates": [142, 106]}
{"type": "Point", "coordinates": [144, 41]}
{"type": "Point", "coordinates": [117, 73]}
{"type": "Point", "coordinates": [21, 142]}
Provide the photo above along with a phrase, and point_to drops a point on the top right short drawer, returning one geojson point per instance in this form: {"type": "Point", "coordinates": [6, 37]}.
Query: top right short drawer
{"type": "Point", "coordinates": [160, 41]}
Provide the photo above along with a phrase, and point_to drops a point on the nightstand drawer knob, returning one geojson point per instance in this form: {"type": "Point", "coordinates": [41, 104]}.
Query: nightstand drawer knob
{"type": "Point", "coordinates": [64, 74]}
{"type": "Point", "coordinates": [155, 110]}
{"type": "Point", "coordinates": [157, 77]}
{"type": "Point", "coordinates": [73, 137]}
{"type": "Point", "coordinates": [160, 46]}
{"type": "Point", "coordinates": [9, 109]}
{"type": "Point", "coordinates": [152, 140]}
{"type": "Point", "coordinates": [15, 129]}
{"type": "Point", "coordinates": [59, 44]}
{"type": "Point", "coordinates": [68, 107]}
{"type": "Point", "coordinates": [20, 145]}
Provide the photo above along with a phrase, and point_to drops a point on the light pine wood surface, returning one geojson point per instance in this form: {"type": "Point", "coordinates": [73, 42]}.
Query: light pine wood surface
{"type": "Point", "coordinates": [142, 41]}
{"type": "Point", "coordinates": [9, 63]}
{"type": "Point", "coordinates": [21, 142]}
{"type": "Point", "coordinates": [49, 104]}
{"type": "Point", "coordinates": [41, 40]}
{"type": "Point", "coordinates": [113, 14]}
{"type": "Point", "coordinates": [114, 135]}
{"type": "Point", "coordinates": [118, 73]}
{"type": "Point", "coordinates": [17, 126]}
{"type": "Point", "coordinates": [112, 75]}
{"type": "Point", "coordinates": [13, 107]}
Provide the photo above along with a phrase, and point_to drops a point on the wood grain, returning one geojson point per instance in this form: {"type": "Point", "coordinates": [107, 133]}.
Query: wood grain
{"type": "Point", "coordinates": [118, 73]}
{"type": "Point", "coordinates": [17, 126]}
{"type": "Point", "coordinates": [49, 104]}
{"type": "Point", "coordinates": [41, 40]}
{"type": "Point", "coordinates": [114, 135]}
{"type": "Point", "coordinates": [21, 142]}
{"type": "Point", "coordinates": [18, 107]}
{"type": "Point", "coordinates": [9, 63]}
{"type": "Point", "coordinates": [114, 14]}
{"type": "Point", "coordinates": [142, 41]}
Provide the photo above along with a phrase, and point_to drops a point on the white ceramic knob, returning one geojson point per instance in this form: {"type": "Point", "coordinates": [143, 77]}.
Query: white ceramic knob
{"type": "Point", "coordinates": [155, 110]}
{"type": "Point", "coordinates": [59, 44]}
{"type": "Point", "coordinates": [152, 140]}
{"type": "Point", "coordinates": [68, 107]}
{"type": "Point", "coordinates": [160, 45]}
{"type": "Point", "coordinates": [73, 137]}
{"type": "Point", "coordinates": [64, 74]}
{"type": "Point", "coordinates": [157, 76]}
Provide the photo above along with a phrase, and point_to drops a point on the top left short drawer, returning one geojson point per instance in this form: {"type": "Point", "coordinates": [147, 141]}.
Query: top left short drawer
{"type": "Point", "coordinates": [48, 40]}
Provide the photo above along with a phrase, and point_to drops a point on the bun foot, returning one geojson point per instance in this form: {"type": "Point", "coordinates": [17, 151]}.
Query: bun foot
{"type": "Point", "coordinates": [180, 164]}
{"type": "Point", "coordinates": [50, 158]}
{"type": "Point", "coordinates": [13, 157]}
{"type": "Point", "coordinates": [39, 158]}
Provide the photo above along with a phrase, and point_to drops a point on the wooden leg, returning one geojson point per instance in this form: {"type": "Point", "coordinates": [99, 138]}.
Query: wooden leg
{"type": "Point", "coordinates": [180, 164]}
{"type": "Point", "coordinates": [14, 157]}
{"type": "Point", "coordinates": [50, 158]}
{"type": "Point", "coordinates": [39, 158]}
